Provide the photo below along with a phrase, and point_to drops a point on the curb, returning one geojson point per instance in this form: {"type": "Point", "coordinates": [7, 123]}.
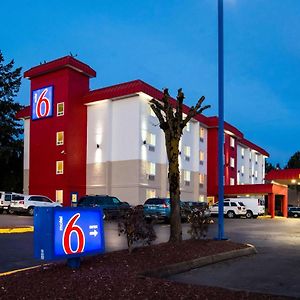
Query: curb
{"type": "Point", "coordinates": [198, 262]}
{"type": "Point", "coordinates": [16, 230]}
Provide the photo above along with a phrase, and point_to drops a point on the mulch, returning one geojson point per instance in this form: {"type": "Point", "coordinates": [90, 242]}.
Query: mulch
{"type": "Point", "coordinates": [115, 275]}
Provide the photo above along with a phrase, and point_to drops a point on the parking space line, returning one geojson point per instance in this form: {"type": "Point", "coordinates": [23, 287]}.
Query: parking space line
{"type": "Point", "coordinates": [16, 230]}
{"type": "Point", "coordinates": [19, 270]}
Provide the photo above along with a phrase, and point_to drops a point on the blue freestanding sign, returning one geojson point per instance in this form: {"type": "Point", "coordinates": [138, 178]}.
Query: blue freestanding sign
{"type": "Point", "coordinates": [67, 232]}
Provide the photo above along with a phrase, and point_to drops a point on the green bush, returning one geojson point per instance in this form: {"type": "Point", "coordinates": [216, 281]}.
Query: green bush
{"type": "Point", "coordinates": [136, 228]}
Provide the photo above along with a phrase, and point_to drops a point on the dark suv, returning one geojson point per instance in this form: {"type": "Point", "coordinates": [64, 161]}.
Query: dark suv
{"type": "Point", "coordinates": [294, 212]}
{"type": "Point", "coordinates": [112, 206]}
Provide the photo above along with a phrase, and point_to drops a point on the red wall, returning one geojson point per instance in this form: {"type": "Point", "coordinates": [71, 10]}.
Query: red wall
{"type": "Point", "coordinates": [69, 87]}
{"type": "Point", "coordinates": [212, 161]}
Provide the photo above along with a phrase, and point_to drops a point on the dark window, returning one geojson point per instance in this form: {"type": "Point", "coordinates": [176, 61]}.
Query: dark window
{"type": "Point", "coordinates": [226, 203]}
{"type": "Point", "coordinates": [17, 197]}
{"type": "Point", "coordinates": [7, 197]}
{"type": "Point", "coordinates": [155, 201]}
{"type": "Point", "coordinates": [116, 200]}
{"type": "Point", "coordinates": [45, 199]}
{"type": "Point", "coordinates": [233, 204]}
{"type": "Point", "coordinates": [36, 198]}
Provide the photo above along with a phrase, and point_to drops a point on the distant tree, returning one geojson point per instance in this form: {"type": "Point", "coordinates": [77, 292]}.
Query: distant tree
{"type": "Point", "coordinates": [294, 161]}
{"type": "Point", "coordinates": [172, 123]}
{"type": "Point", "coordinates": [269, 167]}
{"type": "Point", "coordinates": [11, 145]}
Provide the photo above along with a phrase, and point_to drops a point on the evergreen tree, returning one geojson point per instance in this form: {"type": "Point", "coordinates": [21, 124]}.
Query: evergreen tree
{"type": "Point", "coordinates": [11, 145]}
{"type": "Point", "coordinates": [294, 161]}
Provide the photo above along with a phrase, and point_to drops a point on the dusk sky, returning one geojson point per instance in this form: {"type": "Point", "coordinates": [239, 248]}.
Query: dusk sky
{"type": "Point", "coordinates": [174, 44]}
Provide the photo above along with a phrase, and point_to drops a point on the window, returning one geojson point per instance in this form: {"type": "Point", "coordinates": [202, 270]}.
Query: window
{"type": "Point", "coordinates": [187, 153]}
{"type": "Point", "coordinates": [188, 127]}
{"type": "Point", "coordinates": [151, 170]}
{"type": "Point", "coordinates": [60, 167]}
{"type": "Point", "coordinates": [226, 203]}
{"type": "Point", "coordinates": [242, 152]}
{"type": "Point", "coordinates": [187, 177]}
{"type": "Point", "coordinates": [250, 155]}
{"type": "Point", "coordinates": [201, 198]}
{"type": "Point", "coordinates": [59, 196]}
{"type": "Point", "coordinates": [256, 158]}
{"type": "Point", "coordinates": [201, 157]}
{"type": "Point", "coordinates": [201, 179]}
{"type": "Point", "coordinates": [232, 181]}
{"type": "Point", "coordinates": [60, 109]}
{"type": "Point", "coordinates": [59, 138]}
{"type": "Point", "coordinates": [202, 134]}
{"type": "Point", "coordinates": [151, 141]}
{"type": "Point", "coordinates": [232, 162]}
{"type": "Point", "coordinates": [232, 142]}
{"type": "Point", "coordinates": [255, 174]}
{"type": "Point", "coordinates": [233, 204]}
{"type": "Point", "coordinates": [150, 193]}
{"type": "Point", "coordinates": [242, 169]}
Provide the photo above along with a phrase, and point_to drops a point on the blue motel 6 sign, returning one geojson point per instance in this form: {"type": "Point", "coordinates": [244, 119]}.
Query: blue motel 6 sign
{"type": "Point", "coordinates": [42, 103]}
{"type": "Point", "coordinates": [67, 232]}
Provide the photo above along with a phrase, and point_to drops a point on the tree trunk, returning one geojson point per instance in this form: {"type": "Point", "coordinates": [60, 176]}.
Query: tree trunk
{"type": "Point", "coordinates": [174, 187]}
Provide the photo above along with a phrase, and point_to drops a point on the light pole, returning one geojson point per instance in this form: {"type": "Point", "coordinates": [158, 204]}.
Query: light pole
{"type": "Point", "coordinates": [220, 122]}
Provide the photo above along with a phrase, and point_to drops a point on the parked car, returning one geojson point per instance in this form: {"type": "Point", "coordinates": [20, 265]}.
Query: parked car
{"type": "Point", "coordinates": [160, 208]}
{"type": "Point", "coordinates": [27, 203]}
{"type": "Point", "coordinates": [112, 206]}
{"type": "Point", "coordinates": [231, 209]}
{"type": "Point", "coordinates": [254, 206]}
{"type": "Point", "coordinates": [5, 200]}
{"type": "Point", "coordinates": [294, 212]}
{"type": "Point", "coordinates": [199, 206]}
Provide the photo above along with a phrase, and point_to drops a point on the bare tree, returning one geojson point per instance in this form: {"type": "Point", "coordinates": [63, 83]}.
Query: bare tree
{"type": "Point", "coordinates": [172, 123]}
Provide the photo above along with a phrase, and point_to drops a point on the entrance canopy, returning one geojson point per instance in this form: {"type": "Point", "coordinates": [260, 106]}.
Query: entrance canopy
{"type": "Point", "coordinates": [286, 176]}
{"type": "Point", "coordinates": [271, 190]}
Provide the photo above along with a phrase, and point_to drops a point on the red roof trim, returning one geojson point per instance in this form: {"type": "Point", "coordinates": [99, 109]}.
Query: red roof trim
{"type": "Point", "coordinates": [23, 113]}
{"type": "Point", "coordinates": [131, 87]}
{"type": "Point", "coordinates": [254, 147]}
{"type": "Point", "coordinates": [287, 174]}
{"type": "Point", "coordinates": [60, 63]}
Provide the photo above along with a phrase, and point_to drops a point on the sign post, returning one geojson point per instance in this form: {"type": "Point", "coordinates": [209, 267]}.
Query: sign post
{"type": "Point", "coordinates": [68, 233]}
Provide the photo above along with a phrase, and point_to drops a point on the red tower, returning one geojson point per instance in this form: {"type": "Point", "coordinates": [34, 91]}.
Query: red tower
{"type": "Point", "coordinates": [57, 160]}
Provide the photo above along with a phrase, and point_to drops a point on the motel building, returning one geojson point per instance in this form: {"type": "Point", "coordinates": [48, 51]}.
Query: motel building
{"type": "Point", "coordinates": [79, 141]}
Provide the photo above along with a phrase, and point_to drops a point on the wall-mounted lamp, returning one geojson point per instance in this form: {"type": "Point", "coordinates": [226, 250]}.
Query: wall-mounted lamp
{"type": "Point", "coordinates": [98, 146]}
{"type": "Point", "coordinates": [144, 142]}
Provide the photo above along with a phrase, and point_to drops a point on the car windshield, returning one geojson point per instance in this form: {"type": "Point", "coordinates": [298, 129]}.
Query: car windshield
{"type": "Point", "coordinates": [241, 204]}
{"type": "Point", "coordinates": [155, 201]}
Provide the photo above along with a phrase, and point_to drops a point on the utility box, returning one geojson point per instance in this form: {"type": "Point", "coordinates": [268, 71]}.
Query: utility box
{"type": "Point", "coordinates": [64, 233]}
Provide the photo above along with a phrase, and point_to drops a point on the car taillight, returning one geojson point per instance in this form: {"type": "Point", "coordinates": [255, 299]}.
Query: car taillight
{"type": "Point", "coordinates": [239, 208]}
{"type": "Point", "coordinates": [21, 202]}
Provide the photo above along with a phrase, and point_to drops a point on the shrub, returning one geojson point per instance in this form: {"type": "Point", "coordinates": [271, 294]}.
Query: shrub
{"type": "Point", "coordinates": [199, 220]}
{"type": "Point", "coordinates": [136, 228]}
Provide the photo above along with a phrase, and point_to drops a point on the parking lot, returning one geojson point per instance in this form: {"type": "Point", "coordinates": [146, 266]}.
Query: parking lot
{"type": "Point", "coordinates": [272, 270]}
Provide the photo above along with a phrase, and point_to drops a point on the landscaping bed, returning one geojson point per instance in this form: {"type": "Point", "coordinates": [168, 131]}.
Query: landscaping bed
{"type": "Point", "coordinates": [116, 275]}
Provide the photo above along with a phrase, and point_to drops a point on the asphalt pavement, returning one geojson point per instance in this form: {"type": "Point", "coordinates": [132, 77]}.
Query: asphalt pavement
{"type": "Point", "coordinates": [274, 270]}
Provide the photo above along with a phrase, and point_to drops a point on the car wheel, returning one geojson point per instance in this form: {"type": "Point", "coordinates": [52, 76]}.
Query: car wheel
{"type": "Point", "coordinates": [31, 211]}
{"type": "Point", "coordinates": [230, 214]}
{"type": "Point", "coordinates": [249, 214]}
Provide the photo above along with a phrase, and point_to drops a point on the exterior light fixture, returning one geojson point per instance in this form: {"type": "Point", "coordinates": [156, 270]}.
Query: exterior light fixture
{"type": "Point", "coordinates": [144, 142]}
{"type": "Point", "coordinates": [98, 146]}
{"type": "Point", "coordinates": [293, 181]}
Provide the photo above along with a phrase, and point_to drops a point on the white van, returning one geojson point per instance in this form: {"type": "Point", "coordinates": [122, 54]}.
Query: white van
{"type": "Point", "coordinates": [254, 206]}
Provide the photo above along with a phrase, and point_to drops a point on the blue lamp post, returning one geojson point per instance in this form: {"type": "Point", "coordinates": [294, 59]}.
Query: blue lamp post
{"type": "Point", "coordinates": [220, 123]}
